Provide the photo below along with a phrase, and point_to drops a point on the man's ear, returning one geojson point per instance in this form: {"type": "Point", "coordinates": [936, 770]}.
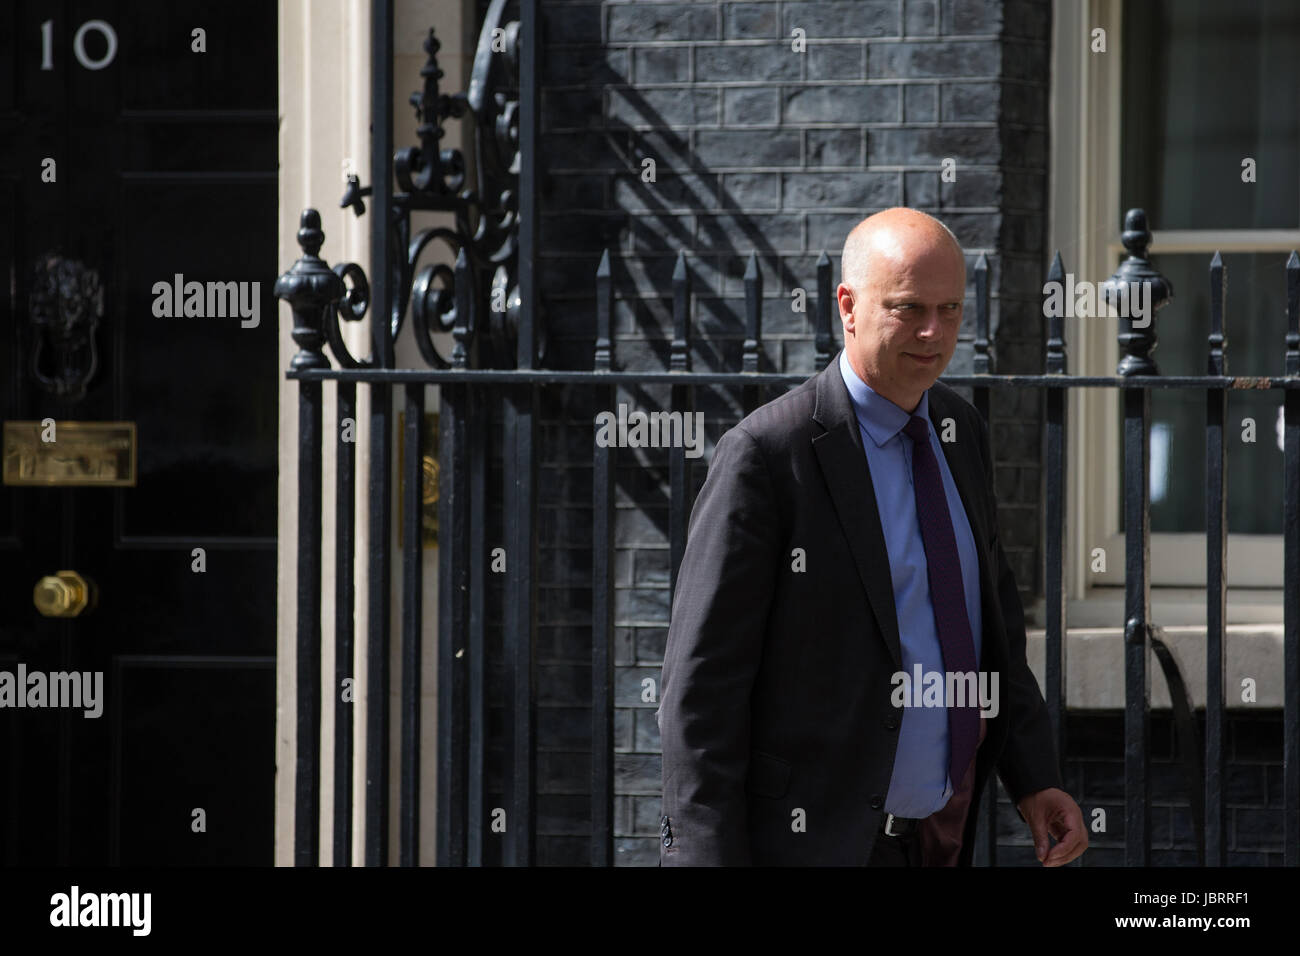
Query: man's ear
{"type": "Point", "coordinates": [841, 293]}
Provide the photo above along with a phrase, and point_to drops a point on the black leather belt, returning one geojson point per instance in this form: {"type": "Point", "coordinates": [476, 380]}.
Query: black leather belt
{"type": "Point", "coordinates": [899, 826]}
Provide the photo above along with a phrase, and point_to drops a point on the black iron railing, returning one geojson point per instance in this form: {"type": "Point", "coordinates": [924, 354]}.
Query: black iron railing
{"type": "Point", "coordinates": [489, 303]}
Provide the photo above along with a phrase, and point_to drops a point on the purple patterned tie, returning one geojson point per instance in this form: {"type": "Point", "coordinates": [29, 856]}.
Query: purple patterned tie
{"type": "Point", "coordinates": [947, 592]}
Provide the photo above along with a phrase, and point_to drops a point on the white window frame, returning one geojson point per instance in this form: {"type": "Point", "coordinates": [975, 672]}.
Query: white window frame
{"type": "Point", "coordinates": [1084, 225]}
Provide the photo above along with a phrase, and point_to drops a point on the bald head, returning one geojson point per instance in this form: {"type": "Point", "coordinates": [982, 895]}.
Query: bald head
{"type": "Point", "coordinates": [896, 234]}
{"type": "Point", "coordinates": [903, 279]}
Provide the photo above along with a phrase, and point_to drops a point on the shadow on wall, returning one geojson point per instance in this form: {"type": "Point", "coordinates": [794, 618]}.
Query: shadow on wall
{"type": "Point", "coordinates": [654, 220]}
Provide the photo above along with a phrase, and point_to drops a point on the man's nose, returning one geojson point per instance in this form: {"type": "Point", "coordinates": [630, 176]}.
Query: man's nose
{"type": "Point", "coordinates": [932, 325]}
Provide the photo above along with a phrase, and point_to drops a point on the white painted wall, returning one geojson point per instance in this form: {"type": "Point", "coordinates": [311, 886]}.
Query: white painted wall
{"type": "Point", "coordinates": [324, 96]}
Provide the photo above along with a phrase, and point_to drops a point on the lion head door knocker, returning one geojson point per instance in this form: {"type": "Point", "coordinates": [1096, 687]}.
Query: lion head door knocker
{"type": "Point", "coordinates": [65, 306]}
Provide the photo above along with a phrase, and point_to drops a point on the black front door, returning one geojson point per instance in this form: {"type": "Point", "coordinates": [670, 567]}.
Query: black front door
{"type": "Point", "coordinates": [138, 192]}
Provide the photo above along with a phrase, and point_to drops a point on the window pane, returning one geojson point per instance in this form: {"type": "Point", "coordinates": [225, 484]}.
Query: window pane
{"type": "Point", "coordinates": [1207, 84]}
{"type": "Point", "coordinates": [1255, 332]}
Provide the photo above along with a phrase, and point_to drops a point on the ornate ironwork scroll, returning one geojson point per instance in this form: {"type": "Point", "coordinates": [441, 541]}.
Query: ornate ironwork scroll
{"type": "Point", "coordinates": [476, 299]}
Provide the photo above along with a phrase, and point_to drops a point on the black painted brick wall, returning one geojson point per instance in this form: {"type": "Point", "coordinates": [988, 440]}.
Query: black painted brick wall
{"type": "Point", "coordinates": [757, 148]}
{"type": "Point", "coordinates": [1095, 778]}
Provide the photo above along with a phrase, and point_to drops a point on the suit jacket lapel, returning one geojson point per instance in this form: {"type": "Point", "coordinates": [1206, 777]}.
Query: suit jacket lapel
{"type": "Point", "coordinates": [844, 464]}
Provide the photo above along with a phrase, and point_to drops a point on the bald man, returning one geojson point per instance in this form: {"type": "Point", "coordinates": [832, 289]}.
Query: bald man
{"type": "Point", "coordinates": [845, 664]}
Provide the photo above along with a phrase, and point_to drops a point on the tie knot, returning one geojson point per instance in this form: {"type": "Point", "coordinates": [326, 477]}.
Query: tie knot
{"type": "Point", "coordinates": [918, 429]}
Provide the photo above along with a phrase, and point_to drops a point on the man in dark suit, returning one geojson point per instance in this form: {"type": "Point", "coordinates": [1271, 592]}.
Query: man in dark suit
{"type": "Point", "coordinates": [842, 596]}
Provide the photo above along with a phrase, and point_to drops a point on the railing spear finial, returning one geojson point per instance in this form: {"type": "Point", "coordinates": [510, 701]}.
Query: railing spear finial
{"type": "Point", "coordinates": [310, 287]}
{"type": "Point", "coordinates": [1137, 290]}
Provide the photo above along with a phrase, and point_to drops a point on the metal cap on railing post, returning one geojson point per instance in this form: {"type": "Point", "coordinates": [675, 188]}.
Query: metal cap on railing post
{"type": "Point", "coordinates": [982, 364]}
{"type": "Point", "coordinates": [1293, 314]}
{"type": "Point", "coordinates": [310, 287]}
{"type": "Point", "coordinates": [824, 343]}
{"type": "Point", "coordinates": [680, 350]}
{"type": "Point", "coordinates": [1137, 290]}
{"type": "Point", "coordinates": [1056, 360]}
{"type": "Point", "coordinates": [753, 315]}
{"type": "Point", "coordinates": [604, 357]}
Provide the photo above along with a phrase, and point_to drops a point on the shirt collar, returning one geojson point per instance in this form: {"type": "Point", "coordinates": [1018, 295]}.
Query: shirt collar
{"type": "Point", "coordinates": [879, 417]}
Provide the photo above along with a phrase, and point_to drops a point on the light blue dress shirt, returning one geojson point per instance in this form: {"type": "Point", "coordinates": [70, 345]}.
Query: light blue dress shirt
{"type": "Point", "coordinates": [920, 784]}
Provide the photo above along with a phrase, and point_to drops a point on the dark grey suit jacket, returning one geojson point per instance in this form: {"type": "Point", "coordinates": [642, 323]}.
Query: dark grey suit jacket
{"type": "Point", "coordinates": [776, 687]}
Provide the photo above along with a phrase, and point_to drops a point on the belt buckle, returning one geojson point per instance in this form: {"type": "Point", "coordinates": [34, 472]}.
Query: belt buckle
{"type": "Point", "coordinates": [889, 819]}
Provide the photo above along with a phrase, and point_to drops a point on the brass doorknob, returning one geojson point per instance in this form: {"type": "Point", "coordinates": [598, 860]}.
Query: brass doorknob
{"type": "Point", "coordinates": [62, 594]}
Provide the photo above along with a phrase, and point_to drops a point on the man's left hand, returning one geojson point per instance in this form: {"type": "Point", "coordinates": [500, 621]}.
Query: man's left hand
{"type": "Point", "coordinates": [1053, 811]}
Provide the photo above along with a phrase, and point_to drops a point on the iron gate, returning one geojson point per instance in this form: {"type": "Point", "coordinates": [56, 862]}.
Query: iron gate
{"type": "Point", "coordinates": [489, 302]}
